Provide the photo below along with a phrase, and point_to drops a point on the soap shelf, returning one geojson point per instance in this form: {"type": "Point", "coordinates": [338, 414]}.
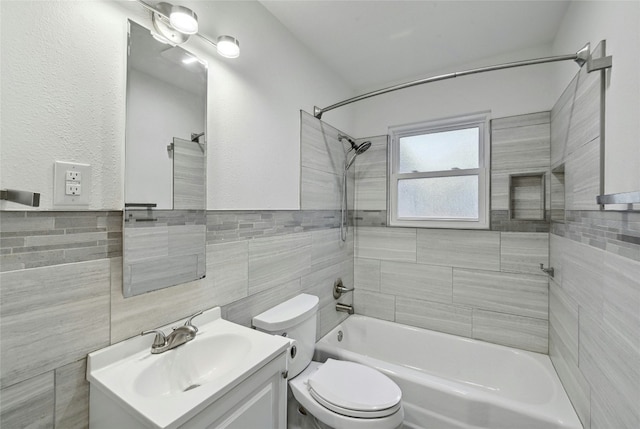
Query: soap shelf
{"type": "Point", "coordinates": [620, 198]}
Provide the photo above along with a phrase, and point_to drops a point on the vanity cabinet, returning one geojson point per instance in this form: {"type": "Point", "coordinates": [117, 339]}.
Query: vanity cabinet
{"type": "Point", "coordinates": [227, 377]}
{"type": "Point", "coordinates": [259, 402]}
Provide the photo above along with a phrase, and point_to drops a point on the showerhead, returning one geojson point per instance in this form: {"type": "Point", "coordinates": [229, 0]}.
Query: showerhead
{"type": "Point", "coordinates": [359, 149]}
{"type": "Point", "coordinates": [362, 147]}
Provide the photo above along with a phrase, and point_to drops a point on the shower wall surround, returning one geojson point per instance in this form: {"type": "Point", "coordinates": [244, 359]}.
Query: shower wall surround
{"type": "Point", "coordinates": [478, 284]}
{"type": "Point", "coordinates": [594, 303]}
{"type": "Point", "coordinates": [323, 158]}
{"type": "Point", "coordinates": [61, 294]}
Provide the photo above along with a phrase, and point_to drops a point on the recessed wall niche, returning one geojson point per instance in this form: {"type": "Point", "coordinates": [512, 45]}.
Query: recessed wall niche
{"type": "Point", "coordinates": [526, 196]}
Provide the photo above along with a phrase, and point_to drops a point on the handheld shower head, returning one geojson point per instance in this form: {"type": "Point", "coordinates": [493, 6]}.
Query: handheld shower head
{"type": "Point", "coordinates": [359, 149]}
{"type": "Point", "coordinates": [362, 147]}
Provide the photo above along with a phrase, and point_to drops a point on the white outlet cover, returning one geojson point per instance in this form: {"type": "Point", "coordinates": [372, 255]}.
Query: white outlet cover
{"type": "Point", "coordinates": [60, 199]}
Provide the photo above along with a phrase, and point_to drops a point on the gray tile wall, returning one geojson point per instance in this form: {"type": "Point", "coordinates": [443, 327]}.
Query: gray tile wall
{"type": "Point", "coordinates": [519, 145]}
{"type": "Point", "coordinates": [595, 331]}
{"type": "Point", "coordinates": [479, 284]}
{"type": "Point", "coordinates": [31, 239]}
{"type": "Point", "coordinates": [323, 158]}
{"type": "Point", "coordinates": [371, 176]}
{"type": "Point", "coordinates": [594, 302]}
{"type": "Point", "coordinates": [162, 248]}
{"type": "Point", "coordinates": [53, 315]}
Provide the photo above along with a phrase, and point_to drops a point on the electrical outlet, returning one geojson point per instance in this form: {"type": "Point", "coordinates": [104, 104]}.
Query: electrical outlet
{"type": "Point", "coordinates": [72, 189]}
{"type": "Point", "coordinates": [74, 176]}
{"type": "Point", "coordinates": [71, 184]}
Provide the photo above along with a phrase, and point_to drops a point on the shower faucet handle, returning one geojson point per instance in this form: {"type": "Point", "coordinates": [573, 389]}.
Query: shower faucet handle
{"type": "Point", "coordinates": [339, 289]}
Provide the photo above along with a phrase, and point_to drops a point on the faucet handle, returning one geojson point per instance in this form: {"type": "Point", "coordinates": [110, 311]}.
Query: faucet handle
{"type": "Point", "coordinates": [190, 320]}
{"type": "Point", "coordinates": [160, 339]}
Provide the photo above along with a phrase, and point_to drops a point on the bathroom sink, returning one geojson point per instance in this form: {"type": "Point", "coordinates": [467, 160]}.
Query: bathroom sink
{"type": "Point", "coordinates": [192, 365]}
{"type": "Point", "coordinates": [165, 390]}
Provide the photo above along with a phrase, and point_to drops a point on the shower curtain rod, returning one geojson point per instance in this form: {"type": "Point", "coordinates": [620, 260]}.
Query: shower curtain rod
{"type": "Point", "coordinates": [581, 57]}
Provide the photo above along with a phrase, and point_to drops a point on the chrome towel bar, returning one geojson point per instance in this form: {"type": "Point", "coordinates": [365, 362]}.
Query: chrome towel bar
{"type": "Point", "coordinates": [21, 197]}
{"type": "Point", "coordinates": [620, 198]}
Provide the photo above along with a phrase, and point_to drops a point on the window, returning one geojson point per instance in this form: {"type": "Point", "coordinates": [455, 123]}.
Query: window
{"type": "Point", "coordinates": [440, 173]}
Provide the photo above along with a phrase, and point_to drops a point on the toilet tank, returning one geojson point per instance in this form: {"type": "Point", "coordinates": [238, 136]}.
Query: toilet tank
{"type": "Point", "coordinates": [296, 320]}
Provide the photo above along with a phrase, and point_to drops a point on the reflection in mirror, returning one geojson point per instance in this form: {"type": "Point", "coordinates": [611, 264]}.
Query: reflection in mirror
{"type": "Point", "coordinates": [165, 165]}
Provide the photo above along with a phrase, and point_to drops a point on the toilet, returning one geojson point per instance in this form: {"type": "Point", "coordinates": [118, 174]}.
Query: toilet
{"type": "Point", "coordinates": [337, 394]}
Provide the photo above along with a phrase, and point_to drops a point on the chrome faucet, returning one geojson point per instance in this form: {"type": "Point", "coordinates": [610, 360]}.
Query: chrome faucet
{"type": "Point", "coordinates": [177, 337]}
{"type": "Point", "coordinates": [344, 307]}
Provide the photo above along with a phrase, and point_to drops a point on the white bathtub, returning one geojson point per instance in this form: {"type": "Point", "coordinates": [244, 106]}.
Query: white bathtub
{"type": "Point", "coordinates": [455, 382]}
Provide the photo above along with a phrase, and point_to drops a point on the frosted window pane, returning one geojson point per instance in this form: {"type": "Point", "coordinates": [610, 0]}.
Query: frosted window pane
{"type": "Point", "coordinates": [453, 197]}
{"type": "Point", "coordinates": [448, 150]}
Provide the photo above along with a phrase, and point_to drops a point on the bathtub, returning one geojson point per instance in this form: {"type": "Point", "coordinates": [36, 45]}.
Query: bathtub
{"type": "Point", "coordinates": [455, 382]}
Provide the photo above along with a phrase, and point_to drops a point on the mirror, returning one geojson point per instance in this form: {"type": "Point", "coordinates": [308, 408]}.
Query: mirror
{"type": "Point", "coordinates": [165, 165]}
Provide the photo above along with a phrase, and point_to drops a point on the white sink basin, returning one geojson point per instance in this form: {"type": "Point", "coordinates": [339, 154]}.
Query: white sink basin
{"type": "Point", "coordinates": [192, 365]}
{"type": "Point", "coordinates": [167, 389]}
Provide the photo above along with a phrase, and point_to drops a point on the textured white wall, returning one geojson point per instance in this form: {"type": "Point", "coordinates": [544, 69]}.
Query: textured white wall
{"type": "Point", "coordinates": [506, 93]}
{"type": "Point", "coordinates": [63, 98]}
{"type": "Point", "coordinates": [63, 73]}
{"type": "Point", "coordinates": [619, 23]}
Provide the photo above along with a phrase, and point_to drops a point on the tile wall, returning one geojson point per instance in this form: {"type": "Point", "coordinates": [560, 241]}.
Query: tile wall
{"type": "Point", "coordinates": [322, 159]}
{"type": "Point", "coordinates": [163, 248]}
{"type": "Point", "coordinates": [594, 302]}
{"type": "Point", "coordinates": [478, 284]}
{"type": "Point", "coordinates": [61, 294]}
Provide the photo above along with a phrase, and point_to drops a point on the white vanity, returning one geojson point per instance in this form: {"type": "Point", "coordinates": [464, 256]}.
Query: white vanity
{"type": "Point", "coordinates": [229, 376]}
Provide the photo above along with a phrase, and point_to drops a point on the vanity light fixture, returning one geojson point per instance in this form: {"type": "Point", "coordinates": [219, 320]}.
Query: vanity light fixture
{"type": "Point", "coordinates": [162, 23]}
{"type": "Point", "coordinates": [175, 24]}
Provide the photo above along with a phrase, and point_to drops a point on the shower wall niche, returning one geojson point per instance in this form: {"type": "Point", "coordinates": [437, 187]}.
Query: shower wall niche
{"type": "Point", "coordinates": [527, 196]}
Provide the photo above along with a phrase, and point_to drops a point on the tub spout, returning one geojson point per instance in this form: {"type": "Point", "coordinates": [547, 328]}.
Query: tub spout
{"type": "Point", "coordinates": [344, 307]}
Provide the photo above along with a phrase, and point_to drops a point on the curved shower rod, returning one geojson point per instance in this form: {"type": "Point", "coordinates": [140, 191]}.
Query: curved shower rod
{"type": "Point", "coordinates": [581, 57]}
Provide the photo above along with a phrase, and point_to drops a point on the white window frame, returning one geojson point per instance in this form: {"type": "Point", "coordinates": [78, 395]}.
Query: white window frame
{"type": "Point", "coordinates": [480, 120]}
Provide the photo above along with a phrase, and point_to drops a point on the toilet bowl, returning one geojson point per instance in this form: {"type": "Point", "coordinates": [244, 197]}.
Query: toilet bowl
{"type": "Point", "coordinates": [340, 394]}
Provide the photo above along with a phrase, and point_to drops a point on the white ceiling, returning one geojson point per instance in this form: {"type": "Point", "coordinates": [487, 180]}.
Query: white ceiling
{"type": "Point", "coordinates": [372, 43]}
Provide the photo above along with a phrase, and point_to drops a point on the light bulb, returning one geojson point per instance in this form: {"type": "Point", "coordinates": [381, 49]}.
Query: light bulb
{"type": "Point", "coordinates": [228, 46]}
{"type": "Point", "coordinates": [184, 20]}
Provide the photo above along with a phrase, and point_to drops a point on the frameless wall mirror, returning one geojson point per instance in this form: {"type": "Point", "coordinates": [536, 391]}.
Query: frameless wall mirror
{"type": "Point", "coordinates": [165, 165]}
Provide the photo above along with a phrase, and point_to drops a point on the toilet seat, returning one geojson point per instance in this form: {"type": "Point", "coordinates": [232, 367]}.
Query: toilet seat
{"type": "Point", "coordinates": [339, 419]}
{"type": "Point", "coordinates": [354, 390]}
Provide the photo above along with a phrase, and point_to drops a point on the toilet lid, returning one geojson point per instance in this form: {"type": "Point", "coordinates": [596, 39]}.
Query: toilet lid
{"type": "Point", "coordinates": [355, 390]}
